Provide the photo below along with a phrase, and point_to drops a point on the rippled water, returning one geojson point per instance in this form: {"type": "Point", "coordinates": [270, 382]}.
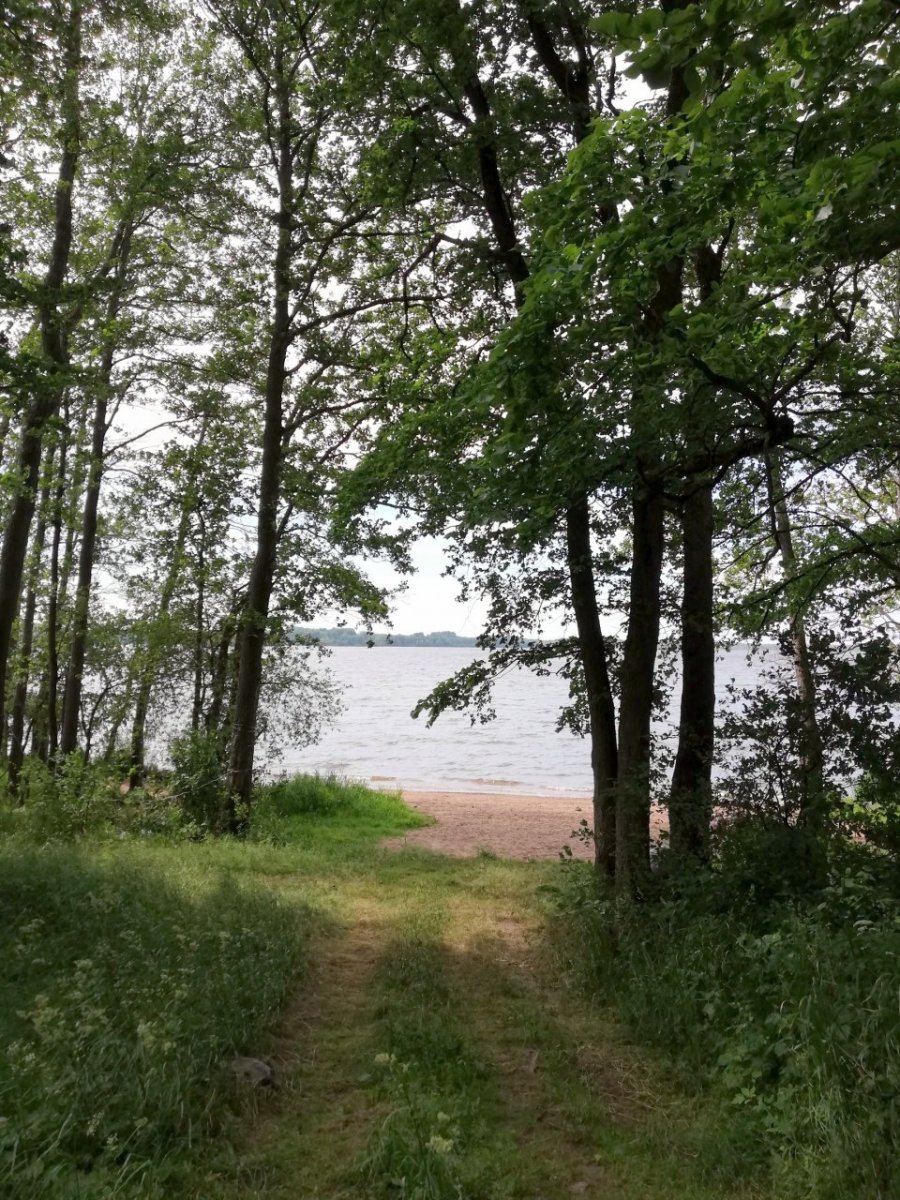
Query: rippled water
{"type": "Point", "coordinates": [377, 740]}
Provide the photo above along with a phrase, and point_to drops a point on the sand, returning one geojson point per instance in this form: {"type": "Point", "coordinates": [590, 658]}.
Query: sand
{"type": "Point", "coordinates": [510, 826]}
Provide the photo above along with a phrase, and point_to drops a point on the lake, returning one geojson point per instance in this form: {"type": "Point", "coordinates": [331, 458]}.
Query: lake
{"type": "Point", "coordinates": [377, 740]}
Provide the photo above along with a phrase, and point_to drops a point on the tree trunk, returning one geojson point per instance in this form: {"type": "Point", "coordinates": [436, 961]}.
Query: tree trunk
{"type": "Point", "coordinates": [26, 641]}
{"type": "Point", "coordinates": [87, 552]}
{"type": "Point", "coordinates": [4, 434]}
{"type": "Point", "coordinates": [601, 709]}
{"type": "Point", "coordinates": [151, 661]}
{"type": "Point", "coordinates": [61, 572]}
{"type": "Point", "coordinates": [573, 83]}
{"type": "Point", "coordinates": [636, 703]}
{"type": "Point", "coordinates": [118, 721]}
{"type": "Point", "coordinates": [690, 802]}
{"type": "Point", "coordinates": [252, 632]}
{"type": "Point", "coordinates": [812, 802]}
{"type": "Point", "coordinates": [219, 678]}
{"type": "Point", "coordinates": [52, 677]}
{"type": "Point", "coordinates": [54, 344]}
{"type": "Point", "coordinates": [199, 618]}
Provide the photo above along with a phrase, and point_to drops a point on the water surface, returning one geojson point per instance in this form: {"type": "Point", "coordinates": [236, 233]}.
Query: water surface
{"type": "Point", "coordinates": [377, 740]}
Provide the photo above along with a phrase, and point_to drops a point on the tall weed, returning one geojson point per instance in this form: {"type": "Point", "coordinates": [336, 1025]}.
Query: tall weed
{"type": "Point", "coordinates": [126, 988]}
{"type": "Point", "coordinates": [791, 1010]}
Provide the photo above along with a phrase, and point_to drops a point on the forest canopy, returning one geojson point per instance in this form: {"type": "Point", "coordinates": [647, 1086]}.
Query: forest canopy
{"type": "Point", "coordinates": [606, 296]}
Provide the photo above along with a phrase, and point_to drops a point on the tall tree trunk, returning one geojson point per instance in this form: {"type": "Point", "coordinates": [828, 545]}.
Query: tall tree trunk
{"type": "Point", "coordinates": [122, 709]}
{"type": "Point", "coordinates": [54, 344]}
{"type": "Point", "coordinates": [4, 434]}
{"type": "Point", "coordinates": [690, 802]}
{"type": "Point", "coordinates": [61, 572]}
{"type": "Point", "coordinates": [254, 619]}
{"type": "Point", "coordinates": [642, 638]}
{"type": "Point", "coordinates": [574, 83]}
{"type": "Point", "coordinates": [199, 618]}
{"type": "Point", "coordinates": [812, 803]}
{"type": "Point", "coordinates": [150, 665]}
{"type": "Point", "coordinates": [26, 639]}
{"type": "Point", "coordinates": [219, 679]}
{"type": "Point", "coordinates": [636, 702]}
{"type": "Point", "coordinates": [601, 709]}
{"type": "Point", "coordinates": [52, 669]}
{"type": "Point", "coordinates": [75, 669]}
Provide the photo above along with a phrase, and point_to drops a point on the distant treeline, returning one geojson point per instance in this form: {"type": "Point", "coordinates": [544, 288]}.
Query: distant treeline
{"type": "Point", "coordinates": [353, 637]}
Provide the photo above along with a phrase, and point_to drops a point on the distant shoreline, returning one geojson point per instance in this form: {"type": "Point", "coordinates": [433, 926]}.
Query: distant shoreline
{"type": "Point", "coordinates": [353, 637]}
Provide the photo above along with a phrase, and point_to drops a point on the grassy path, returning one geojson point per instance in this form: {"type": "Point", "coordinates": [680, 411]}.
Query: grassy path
{"type": "Point", "coordinates": [435, 1052]}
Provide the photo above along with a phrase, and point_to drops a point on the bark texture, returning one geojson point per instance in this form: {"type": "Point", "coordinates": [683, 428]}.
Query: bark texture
{"type": "Point", "coordinates": [68, 738]}
{"type": "Point", "coordinates": [252, 633]}
{"type": "Point", "coordinates": [594, 661]}
{"type": "Point", "coordinates": [690, 802]}
{"type": "Point", "coordinates": [636, 702]}
{"type": "Point", "coordinates": [54, 344]}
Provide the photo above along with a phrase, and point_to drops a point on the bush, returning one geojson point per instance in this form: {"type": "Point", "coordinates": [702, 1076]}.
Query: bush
{"type": "Point", "coordinates": [792, 1014]}
{"type": "Point", "coordinates": [82, 800]}
{"type": "Point", "coordinates": [198, 780]}
{"type": "Point", "coordinates": [762, 862]}
{"type": "Point", "coordinates": [77, 798]}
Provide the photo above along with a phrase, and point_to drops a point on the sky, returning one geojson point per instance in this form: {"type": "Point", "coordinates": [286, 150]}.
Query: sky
{"type": "Point", "coordinates": [429, 600]}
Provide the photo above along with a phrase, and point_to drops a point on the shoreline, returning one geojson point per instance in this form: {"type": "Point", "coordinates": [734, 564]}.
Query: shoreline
{"type": "Point", "coordinates": [511, 825]}
{"type": "Point", "coordinates": [508, 824]}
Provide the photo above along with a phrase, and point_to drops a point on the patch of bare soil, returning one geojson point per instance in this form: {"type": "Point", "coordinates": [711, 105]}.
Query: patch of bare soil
{"type": "Point", "coordinates": [509, 826]}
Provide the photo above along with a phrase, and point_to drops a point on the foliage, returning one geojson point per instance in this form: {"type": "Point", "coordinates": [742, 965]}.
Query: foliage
{"type": "Point", "coordinates": [760, 732]}
{"type": "Point", "coordinates": [76, 800]}
{"type": "Point", "coordinates": [787, 1008]}
{"type": "Point", "coordinates": [198, 780]}
{"type": "Point", "coordinates": [129, 982]}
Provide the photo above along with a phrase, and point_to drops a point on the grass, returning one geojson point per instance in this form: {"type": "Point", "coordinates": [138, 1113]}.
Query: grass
{"type": "Point", "coordinates": [136, 967]}
{"type": "Point", "coordinates": [787, 1010]}
{"type": "Point", "coordinates": [428, 1042]}
{"type": "Point", "coordinates": [326, 813]}
{"type": "Point", "coordinates": [126, 990]}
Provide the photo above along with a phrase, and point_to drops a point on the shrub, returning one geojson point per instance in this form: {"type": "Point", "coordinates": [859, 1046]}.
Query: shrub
{"type": "Point", "coordinates": [198, 780]}
{"type": "Point", "coordinates": [77, 798]}
{"type": "Point", "coordinates": [792, 1014]}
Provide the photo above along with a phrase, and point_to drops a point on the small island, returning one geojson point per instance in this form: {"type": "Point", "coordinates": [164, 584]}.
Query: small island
{"type": "Point", "coordinates": [353, 637]}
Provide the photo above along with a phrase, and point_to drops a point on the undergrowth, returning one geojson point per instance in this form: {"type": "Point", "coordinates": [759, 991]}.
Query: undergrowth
{"type": "Point", "coordinates": [789, 1007]}
{"type": "Point", "coordinates": [125, 991]}
{"type": "Point", "coordinates": [141, 953]}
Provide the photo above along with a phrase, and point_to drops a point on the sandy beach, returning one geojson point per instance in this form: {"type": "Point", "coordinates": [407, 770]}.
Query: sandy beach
{"type": "Point", "coordinates": [511, 826]}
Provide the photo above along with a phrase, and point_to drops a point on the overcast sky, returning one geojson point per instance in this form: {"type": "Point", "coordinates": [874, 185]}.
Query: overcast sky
{"type": "Point", "coordinates": [429, 601]}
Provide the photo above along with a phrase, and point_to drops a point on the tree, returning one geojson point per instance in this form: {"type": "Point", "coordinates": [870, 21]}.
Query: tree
{"type": "Point", "coordinates": [658, 341]}
{"type": "Point", "coordinates": [66, 32]}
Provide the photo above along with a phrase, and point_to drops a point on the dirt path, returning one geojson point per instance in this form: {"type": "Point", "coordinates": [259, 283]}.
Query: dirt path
{"type": "Point", "coordinates": [437, 1054]}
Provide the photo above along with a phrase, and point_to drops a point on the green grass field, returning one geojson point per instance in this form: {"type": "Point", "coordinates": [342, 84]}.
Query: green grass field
{"type": "Point", "coordinates": [427, 1038]}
